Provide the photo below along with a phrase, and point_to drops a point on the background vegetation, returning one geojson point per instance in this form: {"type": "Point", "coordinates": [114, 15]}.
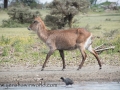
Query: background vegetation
{"type": "Point", "coordinates": [18, 46]}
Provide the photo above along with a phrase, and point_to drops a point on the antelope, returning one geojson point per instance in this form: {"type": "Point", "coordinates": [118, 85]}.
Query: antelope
{"type": "Point", "coordinates": [64, 40]}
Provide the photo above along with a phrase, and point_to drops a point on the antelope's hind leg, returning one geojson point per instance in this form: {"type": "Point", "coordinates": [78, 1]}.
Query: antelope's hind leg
{"type": "Point", "coordinates": [83, 57]}
{"type": "Point", "coordinates": [95, 54]}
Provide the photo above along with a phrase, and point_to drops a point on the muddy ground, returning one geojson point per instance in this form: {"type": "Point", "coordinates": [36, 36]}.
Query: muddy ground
{"type": "Point", "coordinates": [20, 74]}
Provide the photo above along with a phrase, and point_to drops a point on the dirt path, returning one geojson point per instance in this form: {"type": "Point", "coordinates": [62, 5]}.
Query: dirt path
{"type": "Point", "coordinates": [53, 74]}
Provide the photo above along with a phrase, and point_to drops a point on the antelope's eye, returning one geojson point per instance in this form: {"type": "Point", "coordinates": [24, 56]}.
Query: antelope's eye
{"type": "Point", "coordinates": [34, 21]}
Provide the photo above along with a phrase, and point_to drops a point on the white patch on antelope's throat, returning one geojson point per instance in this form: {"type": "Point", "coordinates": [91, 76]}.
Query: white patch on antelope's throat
{"type": "Point", "coordinates": [88, 43]}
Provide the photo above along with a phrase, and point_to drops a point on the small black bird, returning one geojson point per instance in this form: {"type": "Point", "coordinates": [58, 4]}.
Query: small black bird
{"type": "Point", "coordinates": [67, 81]}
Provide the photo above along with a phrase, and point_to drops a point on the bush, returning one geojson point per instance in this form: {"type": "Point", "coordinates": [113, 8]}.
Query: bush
{"type": "Point", "coordinates": [54, 22]}
{"type": "Point", "coordinates": [5, 51]}
{"type": "Point", "coordinates": [113, 38]}
{"type": "Point", "coordinates": [19, 17]}
{"type": "Point", "coordinates": [4, 40]}
{"type": "Point", "coordinates": [116, 43]}
{"type": "Point", "coordinates": [12, 23]}
{"type": "Point", "coordinates": [111, 33]}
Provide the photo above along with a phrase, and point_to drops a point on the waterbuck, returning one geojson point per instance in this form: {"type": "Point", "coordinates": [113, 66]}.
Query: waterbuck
{"type": "Point", "coordinates": [64, 40]}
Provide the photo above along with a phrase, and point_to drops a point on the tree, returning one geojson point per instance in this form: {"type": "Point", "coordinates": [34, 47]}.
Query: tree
{"type": "Point", "coordinates": [20, 17]}
{"type": "Point", "coordinates": [93, 2]}
{"type": "Point", "coordinates": [30, 3]}
{"type": "Point", "coordinates": [5, 3]}
{"type": "Point", "coordinates": [65, 10]}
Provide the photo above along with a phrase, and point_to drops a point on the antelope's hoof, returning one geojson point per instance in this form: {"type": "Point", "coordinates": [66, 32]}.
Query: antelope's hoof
{"type": "Point", "coordinates": [63, 69]}
{"type": "Point", "coordinates": [100, 68]}
{"type": "Point", "coordinates": [78, 69]}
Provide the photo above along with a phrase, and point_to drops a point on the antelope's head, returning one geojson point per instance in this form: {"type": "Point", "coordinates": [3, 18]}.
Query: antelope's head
{"type": "Point", "coordinates": [34, 25]}
{"type": "Point", "coordinates": [37, 24]}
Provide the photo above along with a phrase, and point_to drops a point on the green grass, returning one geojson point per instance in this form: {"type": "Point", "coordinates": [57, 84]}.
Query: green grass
{"type": "Point", "coordinates": [14, 32]}
{"type": "Point", "coordinates": [95, 20]}
{"type": "Point", "coordinates": [20, 46]}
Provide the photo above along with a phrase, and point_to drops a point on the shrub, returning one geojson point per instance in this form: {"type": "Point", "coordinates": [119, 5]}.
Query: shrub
{"type": "Point", "coordinates": [19, 17]}
{"type": "Point", "coordinates": [116, 43]}
{"type": "Point", "coordinates": [98, 27]}
{"type": "Point", "coordinates": [113, 38]}
{"type": "Point", "coordinates": [4, 40]}
{"type": "Point", "coordinates": [12, 23]}
{"type": "Point", "coordinates": [5, 51]}
{"type": "Point", "coordinates": [54, 22]}
{"type": "Point", "coordinates": [22, 15]}
{"type": "Point", "coordinates": [111, 33]}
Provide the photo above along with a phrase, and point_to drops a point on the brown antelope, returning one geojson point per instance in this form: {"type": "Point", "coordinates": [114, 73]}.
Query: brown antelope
{"type": "Point", "coordinates": [64, 40]}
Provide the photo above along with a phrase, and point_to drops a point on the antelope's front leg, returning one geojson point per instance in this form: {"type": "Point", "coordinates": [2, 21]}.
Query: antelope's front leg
{"type": "Point", "coordinates": [47, 57]}
{"type": "Point", "coordinates": [63, 60]}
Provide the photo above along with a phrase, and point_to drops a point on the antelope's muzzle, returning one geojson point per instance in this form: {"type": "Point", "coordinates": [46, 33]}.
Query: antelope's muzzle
{"type": "Point", "coordinates": [29, 28]}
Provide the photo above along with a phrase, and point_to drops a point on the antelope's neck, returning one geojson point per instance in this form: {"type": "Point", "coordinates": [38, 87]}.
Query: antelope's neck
{"type": "Point", "coordinates": [42, 34]}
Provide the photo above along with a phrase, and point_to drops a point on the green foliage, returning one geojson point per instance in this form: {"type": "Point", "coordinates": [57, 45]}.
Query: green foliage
{"type": "Point", "coordinates": [97, 8]}
{"type": "Point", "coordinates": [64, 11]}
{"type": "Point", "coordinates": [54, 22]}
{"type": "Point", "coordinates": [5, 51]}
{"type": "Point", "coordinates": [22, 15]}
{"type": "Point", "coordinates": [115, 34]}
{"type": "Point", "coordinates": [30, 3]}
{"type": "Point", "coordinates": [4, 40]}
{"type": "Point", "coordinates": [112, 38]}
{"type": "Point", "coordinates": [13, 23]}
{"type": "Point", "coordinates": [19, 17]}
{"type": "Point", "coordinates": [18, 46]}
{"type": "Point", "coordinates": [111, 33]}
{"type": "Point", "coordinates": [107, 3]}
{"type": "Point", "coordinates": [97, 27]}
{"type": "Point", "coordinates": [93, 2]}
{"type": "Point", "coordinates": [116, 42]}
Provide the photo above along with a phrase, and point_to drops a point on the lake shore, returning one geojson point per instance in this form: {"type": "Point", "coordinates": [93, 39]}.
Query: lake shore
{"type": "Point", "coordinates": [19, 74]}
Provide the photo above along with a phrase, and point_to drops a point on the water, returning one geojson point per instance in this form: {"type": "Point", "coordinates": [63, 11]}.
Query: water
{"type": "Point", "coordinates": [81, 86]}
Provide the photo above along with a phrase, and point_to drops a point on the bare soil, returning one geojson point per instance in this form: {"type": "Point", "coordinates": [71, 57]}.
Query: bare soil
{"type": "Point", "coordinates": [22, 74]}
